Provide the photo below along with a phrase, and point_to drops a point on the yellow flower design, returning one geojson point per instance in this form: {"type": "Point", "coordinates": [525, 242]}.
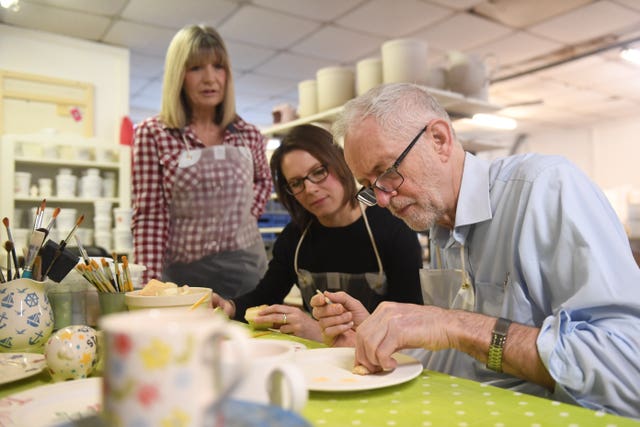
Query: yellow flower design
{"type": "Point", "coordinates": [86, 358]}
{"type": "Point", "coordinates": [157, 355]}
{"type": "Point", "coordinates": [177, 418]}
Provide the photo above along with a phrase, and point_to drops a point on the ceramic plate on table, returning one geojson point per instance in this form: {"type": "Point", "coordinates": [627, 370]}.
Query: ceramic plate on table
{"type": "Point", "coordinates": [52, 404]}
{"type": "Point", "coordinates": [329, 369]}
{"type": "Point", "coordinates": [297, 346]}
{"type": "Point", "coordinates": [16, 366]}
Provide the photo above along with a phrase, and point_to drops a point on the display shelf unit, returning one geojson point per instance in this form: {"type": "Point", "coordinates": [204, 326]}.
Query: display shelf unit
{"type": "Point", "coordinates": [457, 105]}
{"type": "Point", "coordinates": [43, 155]}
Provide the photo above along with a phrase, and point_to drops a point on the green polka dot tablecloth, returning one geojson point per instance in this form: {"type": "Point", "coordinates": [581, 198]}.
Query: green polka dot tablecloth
{"type": "Point", "coordinates": [436, 399]}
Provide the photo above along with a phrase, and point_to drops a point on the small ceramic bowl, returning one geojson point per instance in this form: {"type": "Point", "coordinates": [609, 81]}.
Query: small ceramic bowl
{"type": "Point", "coordinates": [72, 352]}
{"type": "Point", "coordinates": [135, 301]}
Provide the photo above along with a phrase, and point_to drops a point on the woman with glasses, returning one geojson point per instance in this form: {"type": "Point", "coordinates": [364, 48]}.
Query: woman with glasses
{"type": "Point", "coordinates": [332, 243]}
{"type": "Point", "coordinates": [200, 175]}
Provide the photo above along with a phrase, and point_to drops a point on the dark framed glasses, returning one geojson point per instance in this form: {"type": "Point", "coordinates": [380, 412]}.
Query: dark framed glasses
{"type": "Point", "coordinates": [390, 180]}
{"type": "Point", "coordinates": [296, 185]}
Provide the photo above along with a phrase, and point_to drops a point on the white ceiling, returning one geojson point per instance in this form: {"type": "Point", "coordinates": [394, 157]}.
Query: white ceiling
{"type": "Point", "coordinates": [274, 44]}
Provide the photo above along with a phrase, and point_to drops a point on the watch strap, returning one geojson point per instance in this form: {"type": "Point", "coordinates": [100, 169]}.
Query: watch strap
{"type": "Point", "coordinates": [498, 340]}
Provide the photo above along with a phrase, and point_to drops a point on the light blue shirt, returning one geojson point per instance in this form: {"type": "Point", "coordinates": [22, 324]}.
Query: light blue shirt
{"type": "Point", "coordinates": [544, 248]}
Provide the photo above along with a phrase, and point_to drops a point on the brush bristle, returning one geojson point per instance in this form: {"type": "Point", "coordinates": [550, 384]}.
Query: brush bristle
{"type": "Point", "coordinates": [5, 221]}
{"type": "Point", "coordinates": [8, 245]}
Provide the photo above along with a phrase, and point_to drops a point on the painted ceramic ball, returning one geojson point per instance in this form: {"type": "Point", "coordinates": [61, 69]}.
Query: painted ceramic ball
{"type": "Point", "coordinates": [72, 352]}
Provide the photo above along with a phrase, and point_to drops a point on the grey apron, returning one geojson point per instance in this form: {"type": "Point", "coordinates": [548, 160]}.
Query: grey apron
{"type": "Point", "coordinates": [199, 196]}
{"type": "Point", "coordinates": [366, 287]}
{"type": "Point", "coordinates": [448, 288]}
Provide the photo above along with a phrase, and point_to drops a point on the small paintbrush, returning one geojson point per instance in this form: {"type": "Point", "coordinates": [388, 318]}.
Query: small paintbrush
{"type": "Point", "coordinates": [35, 243]}
{"type": "Point", "coordinates": [55, 214]}
{"type": "Point", "coordinates": [8, 246]}
{"type": "Point", "coordinates": [63, 245]}
{"type": "Point", "coordinates": [5, 221]}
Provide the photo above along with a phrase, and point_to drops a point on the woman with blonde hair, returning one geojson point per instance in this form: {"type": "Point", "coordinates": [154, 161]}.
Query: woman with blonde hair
{"type": "Point", "coordinates": [200, 175]}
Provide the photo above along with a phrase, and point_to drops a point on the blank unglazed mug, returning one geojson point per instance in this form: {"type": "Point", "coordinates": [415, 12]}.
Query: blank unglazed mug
{"type": "Point", "coordinates": [164, 367]}
{"type": "Point", "coordinates": [272, 378]}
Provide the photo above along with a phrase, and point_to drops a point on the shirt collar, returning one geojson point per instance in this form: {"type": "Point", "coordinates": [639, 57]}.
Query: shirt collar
{"type": "Point", "coordinates": [474, 203]}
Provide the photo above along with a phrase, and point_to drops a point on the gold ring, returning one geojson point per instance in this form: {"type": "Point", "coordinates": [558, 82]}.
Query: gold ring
{"type": "Point", "coordinates": [284, 318]}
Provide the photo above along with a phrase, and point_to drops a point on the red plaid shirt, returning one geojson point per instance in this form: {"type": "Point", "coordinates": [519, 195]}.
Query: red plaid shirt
{"type": "Point", "coordinates": [155, 158]}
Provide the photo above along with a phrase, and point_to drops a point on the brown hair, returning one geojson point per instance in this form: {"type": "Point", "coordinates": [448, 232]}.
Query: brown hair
{"type": "Point", "coordinates": [319, 143]}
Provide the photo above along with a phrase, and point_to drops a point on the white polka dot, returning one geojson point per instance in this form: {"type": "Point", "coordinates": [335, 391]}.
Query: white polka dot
{"type": "Point", "coordinates": [490, 402]}
{"type": "Point", "coordinates": [393, 411]}
{"type": "Point", "coordinates": [359, 411]}
{"type": "Point", "coordinates": [564, 414]}
{"type": "Point", "coordinates": [573, 425]}
{"type": "Point", "coordinates": [458, 402]}
{"type": "Point", "coordinates": [426, 385]}
{"type": "Point", "coordinates": [523, 403]}
{"type": "Point", "coordinates": [454, 385]}
{"type": "Point", "coordinates": [483, 385]}
{"type": "Point", "coordinates": [426, 402]}
{"type": "Point", "coordinates": [486, 393]}
{"type": "Point", "coordinates": [463, 424]}
{"type": "Point", "coordinates": [397, 393]}
{"type": "Point", "coordinates": [600, 413]}
{"type": "Point", "coordinates": [456, 393]}
{"type": "Point", "coordinates": [460, 412]}
{"type": "Point", "coordinates": [499, 425]}
{"type": "Point", "coordinates": [529, 414]}
{"type": "Point", "coordinates": [391, 423]}
{"type": "Point", "coordinates": [356, 422]}
{"type": "Point", "coordinates": [554, 403]}
{"type": "Point", "coordinates": [426, 412]}
{"type": "Point", "coordinates": [426, 393]}
{"type": "Point", "coordinates": [536, 425]}
{"type": "Point", "coordinates": [364, 401]}
{"type": "Point", "coordinates": [395, 401]}
{"type": "Point", "coordinates": [517, 393]}
{"type": "Point", "coordinates": [321, 421]}
{"type": "Point", "coordinates": [327, 410]}
{"type": "Point", "coordinates": [494, 413]}
{"type": "Point", "coordinates": [427, 423]}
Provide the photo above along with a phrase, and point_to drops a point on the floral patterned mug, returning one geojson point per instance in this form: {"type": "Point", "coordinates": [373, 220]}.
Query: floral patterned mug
{"type": "Point", "coordinates": [163, 366]}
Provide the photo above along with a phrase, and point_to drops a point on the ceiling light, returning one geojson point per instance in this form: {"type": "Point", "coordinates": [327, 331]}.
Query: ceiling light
{"type": "Point", "coordinates": [10, 4]}
{"type": "Point", "coordinates": [493, 121]}
{"type": "Point", "coordinates": [631, 55]}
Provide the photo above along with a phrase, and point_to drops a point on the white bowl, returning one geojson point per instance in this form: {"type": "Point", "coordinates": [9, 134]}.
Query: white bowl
{"type": "Point", "coordinates": [135, 301]}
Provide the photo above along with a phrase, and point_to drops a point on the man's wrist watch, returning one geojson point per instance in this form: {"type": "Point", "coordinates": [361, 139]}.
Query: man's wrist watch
{"type": "Point", "coordinates": [498, 340]}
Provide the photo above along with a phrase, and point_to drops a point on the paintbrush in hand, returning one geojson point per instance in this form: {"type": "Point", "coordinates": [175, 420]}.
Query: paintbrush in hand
{"type": "Point", "coordinates": [5, 221]}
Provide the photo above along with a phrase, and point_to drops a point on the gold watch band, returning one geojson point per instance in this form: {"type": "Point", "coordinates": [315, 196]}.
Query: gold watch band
{"type": "Point", "coordinates": [498, 340]}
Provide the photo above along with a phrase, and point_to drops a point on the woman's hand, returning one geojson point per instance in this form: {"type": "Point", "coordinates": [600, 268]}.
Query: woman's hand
{"type": "Point", "coordinates": [291, 320]}
{"type": "Point", "coordinates": [227, 306]}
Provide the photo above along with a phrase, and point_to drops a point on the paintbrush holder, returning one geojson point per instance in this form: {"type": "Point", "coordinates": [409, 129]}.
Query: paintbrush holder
{"type": "Point", "coordinates": [62, 263]}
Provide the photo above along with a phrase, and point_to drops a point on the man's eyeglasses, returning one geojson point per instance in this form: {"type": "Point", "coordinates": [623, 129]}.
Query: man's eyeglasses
{"type": "Point", "coordinates": [296, 186]}
{"type": "Point", "coordinates": [390, 180]}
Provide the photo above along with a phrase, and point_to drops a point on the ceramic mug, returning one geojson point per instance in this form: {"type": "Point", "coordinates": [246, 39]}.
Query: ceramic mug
{"type": "Point", "coordinates": [163, 367]}
{"type": "Point", "coordinates": [272, 378]}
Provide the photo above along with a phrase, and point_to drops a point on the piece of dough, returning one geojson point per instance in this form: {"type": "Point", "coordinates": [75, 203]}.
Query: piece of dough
{"type": "Point", "coordinates": [360, 370]}
{"type": "Point", "coordinates": [252, 313]}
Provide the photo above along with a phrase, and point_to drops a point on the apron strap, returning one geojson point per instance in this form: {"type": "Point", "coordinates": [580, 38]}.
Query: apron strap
{"type": "Point", "coordinates": [465, 278]}
{"type": "Point", "coordinates": [373, 242]}
{"type": "Point", "coordinates": [438, 257]}
{"type": "Point", "coordinates": [295, 257]}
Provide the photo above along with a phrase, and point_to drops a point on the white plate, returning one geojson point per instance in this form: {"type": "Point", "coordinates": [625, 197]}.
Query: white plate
{"type": "Point", "coordinates": [16, 366]}
{"type": "Point", "coordinates": [297, 346]}
{"type": "Point", "coordinates": [52, 404]}
{"type": "Point", "coordinates": [329, 369]}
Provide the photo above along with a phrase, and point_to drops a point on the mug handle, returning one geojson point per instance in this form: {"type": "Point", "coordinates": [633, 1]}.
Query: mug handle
{"type": "Point", "coordinates": [232, 376]}
{"type": "Point", "coordinates": [287, 388]}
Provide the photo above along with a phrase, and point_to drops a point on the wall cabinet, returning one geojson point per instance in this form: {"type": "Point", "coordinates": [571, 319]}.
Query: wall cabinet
{"type": "Point", "coordinates": [43, 156]}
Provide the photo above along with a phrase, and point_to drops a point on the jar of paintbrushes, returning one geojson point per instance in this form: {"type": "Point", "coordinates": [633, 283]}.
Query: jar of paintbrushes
{"type": "Point", "coordinates": [111, 278]}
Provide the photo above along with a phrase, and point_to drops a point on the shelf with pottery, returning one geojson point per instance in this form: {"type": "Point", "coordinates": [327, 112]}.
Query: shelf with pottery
{"type": "Point", "coordinates": [456, 104]}
{"type": "Point", "coordinates": [43, 156]}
